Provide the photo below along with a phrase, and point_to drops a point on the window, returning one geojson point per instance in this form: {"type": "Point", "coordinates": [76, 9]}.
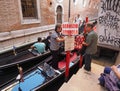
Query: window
{"type": "Point", "coordinates": [29, 9]}
{"type": "Point", "coordinates": [30, 12]}
{"type": "Point", "coordinates": [84, 3]}
{"type": "Point", "coordinates": [75, 2]}
{"type": "Point", "coordinates": [90, 2]}
{"type": "Point", "coordinates": [59, 0]}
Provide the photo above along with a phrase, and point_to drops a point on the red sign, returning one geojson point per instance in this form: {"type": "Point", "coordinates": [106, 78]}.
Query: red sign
{"type": "Point", "coordinates": [69, 29]}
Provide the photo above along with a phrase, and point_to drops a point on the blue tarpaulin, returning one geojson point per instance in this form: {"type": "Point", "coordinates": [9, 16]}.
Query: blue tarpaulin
{"type": "Point", "coordinates": [30, 81]}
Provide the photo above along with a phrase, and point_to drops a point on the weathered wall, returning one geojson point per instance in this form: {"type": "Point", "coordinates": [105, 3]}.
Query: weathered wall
{"type": "Point", "coordinates": [10, 15]}
{"type": "Point", "coordinates": [86, 8]}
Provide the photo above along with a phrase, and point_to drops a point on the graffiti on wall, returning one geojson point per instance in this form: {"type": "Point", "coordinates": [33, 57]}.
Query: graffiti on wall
{"type": "Point", "coordinates": [112, 5]}
{"type": "Point", "coordinates": [109, 22]}
{"type": "Point", "coordinates": [109, 39]}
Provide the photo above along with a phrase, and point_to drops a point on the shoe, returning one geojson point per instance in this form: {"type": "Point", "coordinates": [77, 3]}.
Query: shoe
{"type": "Point", "coordinates": [87, 71]}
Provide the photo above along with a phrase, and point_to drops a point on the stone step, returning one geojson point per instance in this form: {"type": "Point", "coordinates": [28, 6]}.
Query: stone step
{"type": "Point", "coordinates": [84, 81]}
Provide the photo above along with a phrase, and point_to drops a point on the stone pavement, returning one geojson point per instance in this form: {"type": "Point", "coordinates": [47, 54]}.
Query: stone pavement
{"type": "Point", "coordinates": [84, 81]}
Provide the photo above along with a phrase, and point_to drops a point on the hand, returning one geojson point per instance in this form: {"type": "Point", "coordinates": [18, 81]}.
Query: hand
{"type": "Point", "coordinates": [62, 36]}
{"type": "Point", "coordinates": [83, 43]}
{"type": "Point", "coordinates": [114, 68]}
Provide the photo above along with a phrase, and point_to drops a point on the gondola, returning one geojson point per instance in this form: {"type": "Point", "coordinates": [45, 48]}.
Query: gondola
{"type": "Point", "coordinates": [42, 75]}
{"type": "Point", "coordinates": [21, 58]}
{"type": "Point", "coordinates": [9, 59]}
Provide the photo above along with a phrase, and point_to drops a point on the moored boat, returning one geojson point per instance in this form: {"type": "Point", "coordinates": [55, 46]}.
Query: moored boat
{"type": "Point", "coordinates": [21, 55]}
{"type": "Point", "coordinates": [20, 58]}
{"type": "Point", "coordinates": [42, 75]}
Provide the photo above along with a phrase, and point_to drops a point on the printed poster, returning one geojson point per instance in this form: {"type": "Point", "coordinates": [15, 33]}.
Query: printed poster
{"type": "Point", "coordinates": [69, 43]}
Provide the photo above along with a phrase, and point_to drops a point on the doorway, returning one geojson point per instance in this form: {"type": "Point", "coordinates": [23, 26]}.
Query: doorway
{"type": "Point", "coordinates": [59, 15]}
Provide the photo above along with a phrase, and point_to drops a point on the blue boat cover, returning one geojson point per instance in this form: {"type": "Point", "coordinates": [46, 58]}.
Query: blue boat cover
{"type": "Point", "coordinates": [71, 64]}
{"type": "Point", "coordinates": [31, 81]}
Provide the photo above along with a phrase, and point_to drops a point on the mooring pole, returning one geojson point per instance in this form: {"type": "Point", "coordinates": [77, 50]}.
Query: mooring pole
{"type": "Point", "coordinates": [67, 65]}
{"type": "Point", "coordinates": [69, 10]}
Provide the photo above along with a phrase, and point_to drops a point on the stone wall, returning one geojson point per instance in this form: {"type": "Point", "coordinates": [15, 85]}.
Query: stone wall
{"type": "Point", "coordinates": [23, 37]}
{"type": "Point", "coordinates": [10, 18]}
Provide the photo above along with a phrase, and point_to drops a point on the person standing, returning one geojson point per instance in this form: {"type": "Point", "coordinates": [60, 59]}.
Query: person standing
{"type": "Point", "coordinates": [55, 40]}
{"type": "Point", "coordinates": [82, 27]}
{"type": "Point", "coordinates": [39, 47]}
{"type": "Point", "coordinates": [78, 20]}
{"type": "Point", "coordinates": [47, 42]}
{"type": "Point", "coordinates": [91, 46]}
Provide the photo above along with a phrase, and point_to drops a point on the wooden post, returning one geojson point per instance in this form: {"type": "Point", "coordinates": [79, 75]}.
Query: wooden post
{"type": "Point", "coordinates": [69, 10]}
{"type": "Point", "coordinates": [86, 19]}
{"type": "Point", "coordinates": [20, 69]}
{"type": "Point", "coordinates": [81, 61]}
{"type": "Point", "coordinates": [67, 65]}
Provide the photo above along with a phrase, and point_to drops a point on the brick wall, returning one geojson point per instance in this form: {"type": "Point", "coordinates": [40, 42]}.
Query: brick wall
{"type": "Point", "coordinates": [9, 16]}
{"type": "Point", "coordinates": [10, 13]}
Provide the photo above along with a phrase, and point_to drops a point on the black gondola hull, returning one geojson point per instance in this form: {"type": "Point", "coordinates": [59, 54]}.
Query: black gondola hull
{"type": "Point", "coordinates": [39, 85]}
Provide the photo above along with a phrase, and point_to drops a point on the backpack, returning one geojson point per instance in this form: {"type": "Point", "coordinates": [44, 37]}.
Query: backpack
{"type": "Point", "coordinates": [110, 83]}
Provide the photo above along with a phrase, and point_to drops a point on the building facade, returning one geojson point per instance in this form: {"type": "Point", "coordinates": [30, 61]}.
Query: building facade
{"type": "Point", "coordinates": [22, 21]}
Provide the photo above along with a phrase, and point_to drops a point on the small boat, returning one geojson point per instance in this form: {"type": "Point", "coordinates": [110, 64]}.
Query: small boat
{"type": "Point", "coordinates": [21, 58]}
{"type": "Point", "coordinates": [42, 75]}
{"type": "Point", "coordinates": [22, 55]}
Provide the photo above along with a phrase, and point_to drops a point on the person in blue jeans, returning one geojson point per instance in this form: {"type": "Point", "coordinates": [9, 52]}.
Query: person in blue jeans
{"type": "Point", "coordinates": [39, 47]}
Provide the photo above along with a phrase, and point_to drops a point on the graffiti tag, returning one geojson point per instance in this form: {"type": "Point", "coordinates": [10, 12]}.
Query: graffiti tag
{"type": "Point", "coordinates": [109, 39]}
